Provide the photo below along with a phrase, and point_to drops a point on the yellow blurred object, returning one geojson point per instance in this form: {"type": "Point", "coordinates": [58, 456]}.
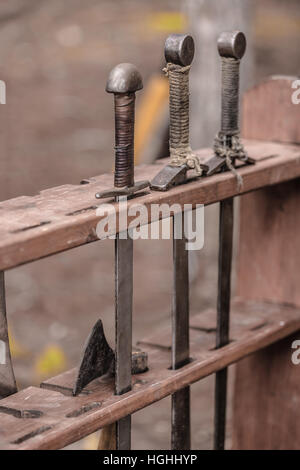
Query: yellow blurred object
{"type": "Point", "coordinates": [151, 104]}
{"type": "Point", "coordinates": [91, 442]}
{"type": "Point", "coordinates": [270, 25]}
{"type": "Point", "coordinates": [16, 349]}
{"type": "Point", "coordinates": [168, 22]}
{"type": "Point", "coordinates": [51, 361]}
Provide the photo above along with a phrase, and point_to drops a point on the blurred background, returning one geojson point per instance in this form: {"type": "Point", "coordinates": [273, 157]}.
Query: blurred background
{"type": "Point", "coordinates": [57, 127]}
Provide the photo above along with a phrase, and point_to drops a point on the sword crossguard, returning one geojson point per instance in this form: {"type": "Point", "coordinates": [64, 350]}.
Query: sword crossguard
{"type": "Point", "coordinates": [179, 54]}
{"type": "Point", "coordinates": [123, 81]}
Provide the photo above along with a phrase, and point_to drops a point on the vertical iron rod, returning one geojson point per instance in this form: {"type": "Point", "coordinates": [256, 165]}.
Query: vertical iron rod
{"type": "Point", "coordinates": [123, 331]}
{"type": "Point", "coordinates": [223, 316]}
{"type": "Point", "coordinates": [180, 436]}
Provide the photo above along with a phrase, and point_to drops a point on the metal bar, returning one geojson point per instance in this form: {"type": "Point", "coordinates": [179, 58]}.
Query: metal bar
{"type": "Point", "coordinates": [180, 420]}
{"type": "Point", "coordinates": [123, 433]}
{"type": "Point", "coordinates": [223, 316]}
{"type": "Point", "coordinates": [181, 433]}
{"type": "Point", "coordinates": [123, 331]}
{"type": "Point", "coordinates": [124, 279]}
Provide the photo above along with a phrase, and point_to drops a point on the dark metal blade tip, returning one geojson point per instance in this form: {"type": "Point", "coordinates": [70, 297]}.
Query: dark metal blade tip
{"type": "Point", "coordinates": [97, 358]}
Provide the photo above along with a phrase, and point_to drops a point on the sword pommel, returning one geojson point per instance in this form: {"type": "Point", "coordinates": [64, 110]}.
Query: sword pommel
{"type": "Point", "coordinates": [124, 78]}
{"type": "Point", "coordinates": [179, 49]}
{"type": "Point", "coordinates": [232, 44]}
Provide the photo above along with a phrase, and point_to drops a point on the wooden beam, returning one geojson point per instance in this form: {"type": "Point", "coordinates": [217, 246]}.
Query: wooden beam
{"type": "Point", "coordinates": [50, 418]}
{"type": "Point", "coordinates": [62, 218]}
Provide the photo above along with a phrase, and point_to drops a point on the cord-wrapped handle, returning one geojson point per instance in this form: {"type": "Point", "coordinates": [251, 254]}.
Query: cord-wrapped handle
{"type": "Point", "coordinates": [231, 47]}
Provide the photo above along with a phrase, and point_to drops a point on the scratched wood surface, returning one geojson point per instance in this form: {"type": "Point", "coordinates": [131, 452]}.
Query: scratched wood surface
{"type": "Point", "coordinates": [269, 113]}
{"type": "Point", "coordinates": [61, 218]}
{"type": "Point", "coordinates": [269, 269]}
{"type": "Point", "coordinates": [267, 383]}
{"type": "Point", "coordinates": [50, 418]}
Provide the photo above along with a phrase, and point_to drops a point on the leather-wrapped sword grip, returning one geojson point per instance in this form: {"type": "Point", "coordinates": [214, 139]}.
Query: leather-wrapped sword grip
{"type": "Point", "coordinates": [230, 96]}
{"type": "Point", "coordinates": [124, 140]}
{"type": "Point", "coordinates": [231, 47]}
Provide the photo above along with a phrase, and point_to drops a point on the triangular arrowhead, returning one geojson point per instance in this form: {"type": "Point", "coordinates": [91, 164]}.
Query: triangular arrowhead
{"type": "Point", "coordinates": [97, 360]}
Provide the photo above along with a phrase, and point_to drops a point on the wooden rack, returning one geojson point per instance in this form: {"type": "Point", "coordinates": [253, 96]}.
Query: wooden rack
{"type": "Point", "coordinates": [265, 316]}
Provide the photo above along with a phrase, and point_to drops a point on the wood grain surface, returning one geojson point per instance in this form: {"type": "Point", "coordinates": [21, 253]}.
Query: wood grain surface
{"type": "Point", "coordinates": [65, 217]}
{"type": "Point", "coordinates": [50, 417]}
{"type": "Point", "coordinates": [267, 386]}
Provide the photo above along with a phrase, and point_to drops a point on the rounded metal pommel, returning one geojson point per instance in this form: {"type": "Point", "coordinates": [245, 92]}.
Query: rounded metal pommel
{"type": "Point", "coordinates": [124, 78]}
{"type": "Point", "coordinates": [232, 44]}
{"type": "Point", "coordinates": [179, 49]}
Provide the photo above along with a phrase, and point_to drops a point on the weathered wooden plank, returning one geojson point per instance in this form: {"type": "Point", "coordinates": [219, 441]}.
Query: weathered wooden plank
{"type": "Point", "coordinates": [269, 253]}
{"type": "Point", "coordinates": [267, 383]}
{"type": "Point", "coordinates": [269, 113]}
{"type": "Point", "coordinates": [65, 419]}
{"type": "Point", "coordinates": [65, 217]}
{"type": "Point", "coordinates": [268, 269]}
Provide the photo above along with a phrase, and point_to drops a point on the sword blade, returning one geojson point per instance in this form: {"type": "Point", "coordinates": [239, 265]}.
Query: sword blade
{"type": "Point", "coordinates": [223, 316]}
{"type": "Point", "coordinates": [181, 435]}
{"type": "Point", "coordinates": [180, 418]}
{"type": "Point", "coordinates": [8, 384]}
{"type": "Point", "coordinates": [123, 329]}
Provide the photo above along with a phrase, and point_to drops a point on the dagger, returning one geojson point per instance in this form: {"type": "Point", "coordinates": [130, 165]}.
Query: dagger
{"type": "Point", "coordinates": [123, 81]}
{"type": "Point", "coordinates": [179, 53]}
{"type": "Point", "coordinates": [231, 47]}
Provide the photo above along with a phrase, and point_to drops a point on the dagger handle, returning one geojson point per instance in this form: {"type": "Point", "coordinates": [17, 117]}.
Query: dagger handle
{"type": "Point", "coordinates": [230, 96]}
{"type": "Point", "coordinates": [231, 47]}
{"type": "Point", "coordinates": [179, 106]}
{"type": "Point", "coordinates": [124, 139]}
{"type": "Point", "coordinates": [179, 53]}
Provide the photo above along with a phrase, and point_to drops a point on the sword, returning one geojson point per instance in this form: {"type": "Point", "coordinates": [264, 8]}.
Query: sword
{"type": "Point", "coordinates": [179, 54]}
{"type": "Point", "coordinates": [231, 47]}
{"type": "Point", "coordinates": [124, 80]}
{"type": "Point", "coordinates": [8, 384]}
